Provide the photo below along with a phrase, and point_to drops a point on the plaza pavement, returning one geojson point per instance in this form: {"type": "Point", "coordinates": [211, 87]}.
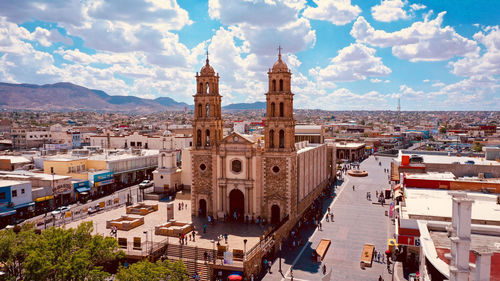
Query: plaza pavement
{"type": "Point", "coordinates": [237, 232]}
{"type": "Point", "coordinates": [356, 221]}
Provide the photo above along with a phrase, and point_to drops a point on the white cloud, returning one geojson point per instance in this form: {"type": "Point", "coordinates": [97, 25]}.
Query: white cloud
{"type": "Point", "coordinates": [375, 80]}
{"type": "Point", "coordinates": [488, 63]}
{"type": "Point", "coordinates": [345, 99]}
{"type": "Point", "coordinates": [354, 62]}
{"type": "Point", "coordinates": [426, 80]}
{"type": "Point", "coordinates": [438, 84]}
{"type": "Point", "coordinates": [416, 7]}
{"type": "Point", "coordinates": [338, 12]}
{"type": "Point", "coordinates": [389, 10]}
{"type": "Point", "coordinates": [47, 37]}
{"type": "Point", "coordinates": [422, 41]}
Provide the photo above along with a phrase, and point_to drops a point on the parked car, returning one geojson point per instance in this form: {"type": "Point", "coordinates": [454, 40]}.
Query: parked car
{"type": "Point", "coordinates": [61, 210]}
{"type": "Point", "coordinates": [95, 209]}
{"type": "Point", "coordinates": [145, 184]}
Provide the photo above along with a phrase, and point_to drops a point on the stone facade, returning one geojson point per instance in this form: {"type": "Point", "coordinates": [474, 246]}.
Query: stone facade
{"type": "Point", "coordinates": [238, 174]}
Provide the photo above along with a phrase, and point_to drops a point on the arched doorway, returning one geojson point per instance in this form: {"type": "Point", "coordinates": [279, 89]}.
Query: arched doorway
{"type": "Point", "coordinates": [275, 214]}
{"type": "Point", "coordinates": [236, 204]}
{"type": "Point", "coordinates": [202, 211]}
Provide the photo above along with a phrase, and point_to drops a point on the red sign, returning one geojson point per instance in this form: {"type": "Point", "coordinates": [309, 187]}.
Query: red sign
{"type": "Point", "coordinates": [408, 240]}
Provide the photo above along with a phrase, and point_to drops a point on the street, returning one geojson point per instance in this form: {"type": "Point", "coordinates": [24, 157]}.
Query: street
{"type": "Point", "coordinates": [356, 221]}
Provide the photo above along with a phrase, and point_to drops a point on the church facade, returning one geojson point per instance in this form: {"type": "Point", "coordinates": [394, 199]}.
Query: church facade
{"type": "Point", "coordinates": [243, 176]}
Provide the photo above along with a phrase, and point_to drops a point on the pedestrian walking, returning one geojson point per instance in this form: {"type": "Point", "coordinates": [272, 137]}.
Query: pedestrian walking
{"type": "Point", "coordinates": [331, 217]}
{"type": "Point", "coordinates": [326, 218]}
{"type": "Point", "coordinates": [324, 269]}
{"type": "Point", "coordinates": [225, 237]}
{"type": "Point", "coordinates": [205, 228]}
{"type": "Point", "coordinates": [380, 278]}
{"type": "Point", "coordinates": [319, 225]}
{"type": "Point", "coordinates": [376, 193]}
{"type": "Point", "coordinates": [353, 187]}
{"type": "Point", "coordinates": [270, 264]}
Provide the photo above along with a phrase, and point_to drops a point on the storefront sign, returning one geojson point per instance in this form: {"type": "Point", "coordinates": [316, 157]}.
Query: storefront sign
{"type": "Point", "coordinates": [409, 240]}
{"type": "Point", "coordinates": [228, 257]}
{"type": "Point", "coordinates": [101, 183]}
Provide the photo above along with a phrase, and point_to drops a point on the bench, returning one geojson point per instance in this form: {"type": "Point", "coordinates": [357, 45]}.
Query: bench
{"type": "Point", "coordinates": [367, 256]}
{"type": "Point", "coordinates": [321, 249]}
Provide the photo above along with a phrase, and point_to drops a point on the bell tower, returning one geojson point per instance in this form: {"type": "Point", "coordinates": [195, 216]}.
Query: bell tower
{"type": "Point", "coordinates": [279, 123]}
{"type": "Point", "coordinates": [207, 122]}
{"type": "Point", "coordinates": [280, 157]}
{"type": "Point", "coordinates": [207, 136]}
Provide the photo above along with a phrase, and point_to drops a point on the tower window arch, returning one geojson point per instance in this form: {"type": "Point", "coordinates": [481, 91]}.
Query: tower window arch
{"type": "Point", "coordinates": [198, 138]}
{"type": "Point", "coordinates": [271, 139]}
{"type": "Point", "coordinates": [200, 88]}
{"type": "Point", "coordinates": [282, 139]}
{"type": "Point", "coordinates": [282, 109]}
{"type": "Point", "coordinates": [207, 110]}
{"type": "Point", "coordinates": [207, 89]}
{"type": "Point", "coordinates": [273, 110]}
{"type": "Point", "coordinates": [274, 85]}
{"type": "Point", "coordinates": [207, 137]}
{"type": "Point", "coordinates": [281, 85]}
{"type": "Point", "coordinates": [200, 110]}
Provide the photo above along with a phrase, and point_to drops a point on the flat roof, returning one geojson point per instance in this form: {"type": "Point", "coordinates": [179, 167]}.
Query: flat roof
{"type": "Point", "coordinates": [4, 183]}
{"type": "Point", "coordinates": [16, 159]}
{"type": "Point", "coordinates": [445, 159]}
{"type": "Point", "coordinates": [350, 145]}
{"type": "Point", "coordinates": [128, 155]}
{"type": "Point", "coordinates": [431, 176]}
{"type": "Point", "coordinates": [438, 203]}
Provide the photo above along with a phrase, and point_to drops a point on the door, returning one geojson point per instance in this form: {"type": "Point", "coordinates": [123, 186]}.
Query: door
{"type": "Point", "coordinates": [236, 205]}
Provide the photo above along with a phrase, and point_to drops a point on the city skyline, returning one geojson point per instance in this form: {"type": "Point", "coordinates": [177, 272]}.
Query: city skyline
{"type": "Point", "coordinates": [344, 55]}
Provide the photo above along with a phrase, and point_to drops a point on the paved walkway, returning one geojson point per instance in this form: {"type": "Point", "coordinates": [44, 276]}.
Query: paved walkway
{"type": "Point", "coordinates": [357, 221]}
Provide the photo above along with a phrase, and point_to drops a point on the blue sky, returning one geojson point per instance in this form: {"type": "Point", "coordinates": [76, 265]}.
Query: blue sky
{"type": "Point", "coordinates": [344, 54]}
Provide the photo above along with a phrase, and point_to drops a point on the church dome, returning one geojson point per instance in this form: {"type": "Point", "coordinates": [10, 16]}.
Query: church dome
{"type": "Point", "coordinates": [167, 133]}
{"type": "Point", "coordinates": [280, 66]}
{"type": "Point", "coordinates": [207, 69]}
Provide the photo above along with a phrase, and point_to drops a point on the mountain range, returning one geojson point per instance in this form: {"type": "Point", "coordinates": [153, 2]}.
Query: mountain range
{"type": "Point", "coordinates": [70, 97]}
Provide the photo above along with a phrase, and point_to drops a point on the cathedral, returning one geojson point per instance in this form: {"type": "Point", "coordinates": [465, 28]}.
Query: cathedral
{"type": "Point", "coordinates": [241, 175]}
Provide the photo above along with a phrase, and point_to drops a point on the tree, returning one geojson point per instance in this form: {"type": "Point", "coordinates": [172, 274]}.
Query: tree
{"type": "Point", "coordinates": [477, 147]}
{"type": "Point", "coordinates": [159, 271]}
{"type": "Point", "coordinates": [442, 130]}
{"type": "Point", "coordinates": [56, 253]}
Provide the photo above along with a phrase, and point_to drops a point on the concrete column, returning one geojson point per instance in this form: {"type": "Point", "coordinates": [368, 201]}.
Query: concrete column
{"type": "Point", "coordinates": [483, 265]}
{"type": "Point", "coordinates": [460, 236]}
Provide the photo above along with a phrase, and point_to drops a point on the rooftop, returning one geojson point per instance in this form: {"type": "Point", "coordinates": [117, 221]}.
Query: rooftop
{"type": "Point", "coordinates": [4, 183]}
{"type": "Point", "coordinates": [445, 159]}
{"type": "Point", "coordinates": [349, 145]}
{"type": "Point", "coordinates": [431, 203]}
{"type": "Point", "coordinates": [16, 159]}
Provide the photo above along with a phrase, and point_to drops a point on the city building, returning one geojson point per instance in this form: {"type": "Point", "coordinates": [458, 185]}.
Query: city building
{"type": "Point", "coordinates": [167, 178]}
{"type": "Point", "coordinates": [350, 151]}
{"type": "Point", "coordinates": [242, 177]}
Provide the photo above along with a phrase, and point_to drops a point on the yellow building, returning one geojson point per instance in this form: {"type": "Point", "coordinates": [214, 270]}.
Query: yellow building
{"type": "Point", "coordinates": [75, 167]}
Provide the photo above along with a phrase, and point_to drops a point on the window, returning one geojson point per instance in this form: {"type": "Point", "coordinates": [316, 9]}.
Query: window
{"type": "Point", "coordinates": [276, 169]}
{"type": "Point", "coordinates": [69, 170]}
{"type": "Point", "coordinates": [22, 191]}
{"type": "Point", "coordinates": [236, 166]}
{"type": "Point", "coordinates": [207, 138]}
{"type": "Point", "coordinates": [282, 109]}
{"type": "Point", "coordinates": [200, 90]}
{"type": "Point", "coordinates": [139, 143]}
{"type": "Point", "coordinates": [207, 89]}
{"type": "Point", "coordinates": [281, 85]}
{"type": "Point", "coordinates": [198, 138]}
{"type": "Point", "coordinates": [271, 138]}
{"type": "Point", "coordinates": [282, 139]}
{"type": "Point", "coordinates": [2, 195]}
{"type": "Point", "coordinates": [273, 109]}
{"type": "Point", "coordinates": [203, 167]}
{"type": "Point", "coordinates": [274, 85]}
{"type": "Point", "coordinates": [200, 113]}
{"type": "Point", "coordinates": [132, 143]}
{"type": "Point", "coordinates": [14, 193]}
{"type": "Point", "coordinates": [207, 110]}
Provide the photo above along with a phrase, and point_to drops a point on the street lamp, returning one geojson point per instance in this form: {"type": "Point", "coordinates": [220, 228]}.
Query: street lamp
{"type": "Point", "coordinates": [213, 249]}
{"type": "Point", "coordinates": [280, 258]}
{"type": "Point", "coordinates": [245, 249]}
{"type": "Point", "coordinates": [146, 233]}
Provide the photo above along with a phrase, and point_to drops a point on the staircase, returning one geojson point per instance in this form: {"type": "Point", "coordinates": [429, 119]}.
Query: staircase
{"type": "Point", "coordinates": [192, 257]}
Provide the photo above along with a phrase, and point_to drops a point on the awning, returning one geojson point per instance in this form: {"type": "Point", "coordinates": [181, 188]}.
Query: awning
{"type": "Point", "coordinates": [24, 205]}
{"type": "Point", "coordinates": [7, 212]}
{"type": "Point", "coordinates": [82, 189]}
{"type": "Point", "coordinates": [44, 198]}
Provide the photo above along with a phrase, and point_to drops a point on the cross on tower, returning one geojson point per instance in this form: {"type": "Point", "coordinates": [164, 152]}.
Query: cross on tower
{"type": "Point", "coordinates": [279, 50]}
{"type": "Point", "coordinates": [207, 56]}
